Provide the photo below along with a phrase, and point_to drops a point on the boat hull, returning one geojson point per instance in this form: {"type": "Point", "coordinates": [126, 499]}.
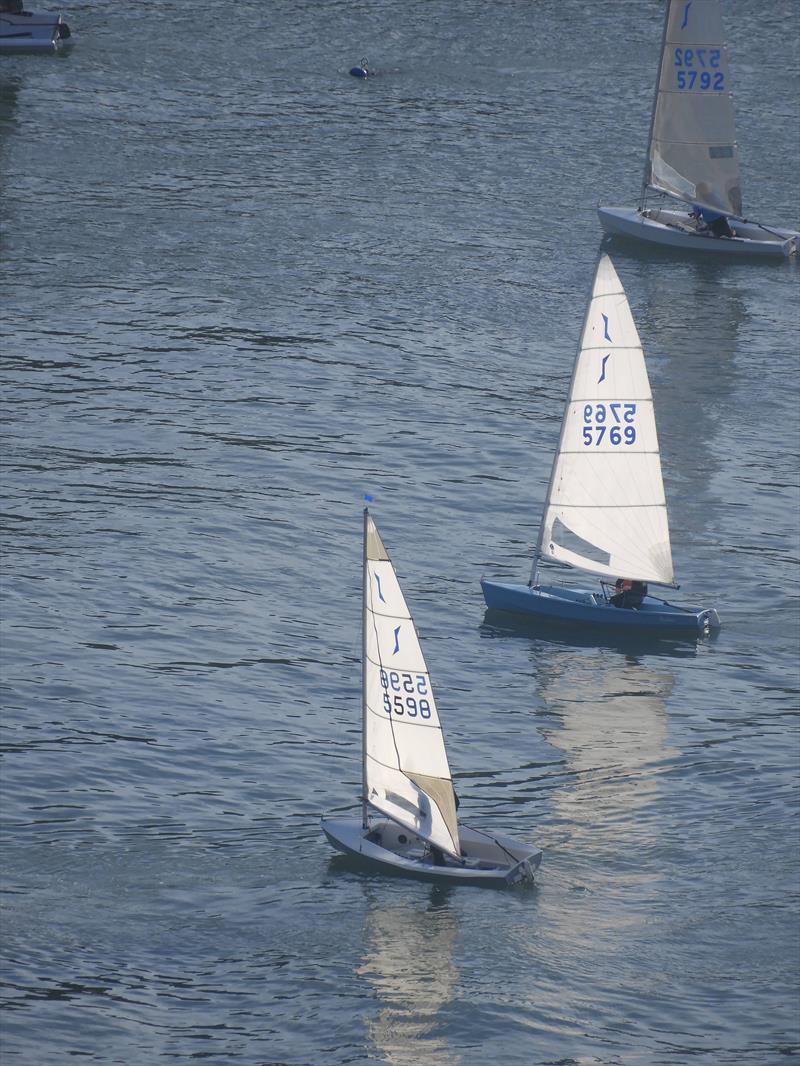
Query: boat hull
{"type": "Point", "coordinates": [676, 229]}
{"type": "Point", "coordinates": [31, 32]}
{"type": "Point", "coordinates": [583, 606]}
{"type": "Point", "coordinates": [491, 860]}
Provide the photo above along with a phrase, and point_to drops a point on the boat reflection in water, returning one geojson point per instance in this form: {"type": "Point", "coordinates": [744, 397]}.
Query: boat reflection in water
{"type": "Point", "coordinates": [603, 947]}
{"type": "Point", "coordinates": [607, 713]}
{"type": "Point", "coordinates": [603, 704]}
{"type": "Point", "coordinates": [408, 960]}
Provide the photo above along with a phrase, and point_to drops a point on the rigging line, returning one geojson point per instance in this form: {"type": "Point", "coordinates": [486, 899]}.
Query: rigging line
{"type": "Point", "coordinates": [775, 233]}
{"type": "Point", "coordinates": [494, 840]}
{"type": "Point", "coordinates": [676, 606]}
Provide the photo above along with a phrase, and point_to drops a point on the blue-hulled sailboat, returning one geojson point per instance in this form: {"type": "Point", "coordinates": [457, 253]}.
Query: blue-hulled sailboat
{"type": "Point", "coordinates": [605, 511]}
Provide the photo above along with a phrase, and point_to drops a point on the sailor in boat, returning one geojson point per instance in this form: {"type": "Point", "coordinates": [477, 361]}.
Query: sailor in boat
{"type": "Point", "coordinates": [628, 593]}
{"type": "Point", "coordinates": [713, 222]}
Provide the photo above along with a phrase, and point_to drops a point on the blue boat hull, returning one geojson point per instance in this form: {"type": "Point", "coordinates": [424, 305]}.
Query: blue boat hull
{"type": "Point", "coordinates": [583, 606]}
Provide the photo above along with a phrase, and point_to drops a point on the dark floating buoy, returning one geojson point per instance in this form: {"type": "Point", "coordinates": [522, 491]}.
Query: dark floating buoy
{"type": "Point", "coordinates": [361, 71]}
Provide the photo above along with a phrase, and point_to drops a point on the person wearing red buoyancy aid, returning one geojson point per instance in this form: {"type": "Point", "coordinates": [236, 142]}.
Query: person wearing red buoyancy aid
{"type": "Point", "coordinates": [628, 593]}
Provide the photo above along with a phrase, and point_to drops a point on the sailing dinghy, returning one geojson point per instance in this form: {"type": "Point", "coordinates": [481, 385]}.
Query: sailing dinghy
{"type": "Point", "coordinates": [408, 824]}
{"type": "Point", "coordinates": [692, 155]}
{"type": "Point", "coordinates": [605, 511]}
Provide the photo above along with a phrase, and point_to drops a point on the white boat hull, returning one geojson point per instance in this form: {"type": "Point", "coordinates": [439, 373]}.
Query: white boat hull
{"type": "Point", "coordinates": [677, 229]}
{"type": "Point", "coordinates": [489, 859]}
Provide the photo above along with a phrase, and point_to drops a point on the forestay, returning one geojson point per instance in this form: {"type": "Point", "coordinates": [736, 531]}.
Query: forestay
{"type": "Point", "coordinates": [406, 773]}
{"type": "Point", "coordinates": [693, 154]}
{"type": "Point", "coordinates": [606, 486]}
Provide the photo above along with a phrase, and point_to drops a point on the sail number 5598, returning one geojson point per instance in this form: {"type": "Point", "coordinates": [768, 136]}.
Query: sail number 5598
{"type": "Point", "coordinates": [404, 694]}
{"type": "Point", "coordinates": [612, 422]}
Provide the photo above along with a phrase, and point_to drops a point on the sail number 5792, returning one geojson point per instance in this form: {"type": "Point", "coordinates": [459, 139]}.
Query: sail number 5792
{"type": "Point", "coordinates": [612, 422]}
{"type": "Point", "coordinates": [695, 72]}
{"type": "Point", "coordinates": [404, 694]}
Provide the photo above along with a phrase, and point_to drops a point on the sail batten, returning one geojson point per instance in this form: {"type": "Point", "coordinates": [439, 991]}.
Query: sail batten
{"type": "Point", "coordinates": [692, 154]}
{"type": "Point", "coordinates": [406, 772]}
{"type": "Point", "coordinates": [606, 488]}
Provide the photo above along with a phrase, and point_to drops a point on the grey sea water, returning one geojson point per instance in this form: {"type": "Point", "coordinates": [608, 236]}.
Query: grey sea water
{"type": "Point", "coordinates": [239, 290]}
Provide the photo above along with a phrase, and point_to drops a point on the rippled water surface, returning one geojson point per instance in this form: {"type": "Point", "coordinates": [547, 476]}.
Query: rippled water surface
{"type": "Point", "coordinates": [239, 290]}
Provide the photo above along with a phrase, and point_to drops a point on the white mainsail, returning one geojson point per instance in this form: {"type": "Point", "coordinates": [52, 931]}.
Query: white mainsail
{"type": "Point", "coordinates": [693, 154]}
{"type": "Point", "coordinates": [606, 487]}
{"type": "Point", "coordinates": [406, 773]}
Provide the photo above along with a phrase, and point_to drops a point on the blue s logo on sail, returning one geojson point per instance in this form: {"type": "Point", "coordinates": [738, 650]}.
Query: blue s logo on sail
{"type": "Point", "coordinates": [605, 328]}
{"type": "Point", "coordinates": [685, 22]}
{"type": "Point", "coordinates": [396, 641]}
{"type": "Point", "coordinates": [603, 369]}
{"type": "Point", "coordinates": [378, 583]}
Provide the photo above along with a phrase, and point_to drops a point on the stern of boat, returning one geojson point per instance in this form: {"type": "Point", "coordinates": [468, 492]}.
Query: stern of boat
{"type": "Point", "coordinates": [708, 621]}
{"type": "Point", "coordinates": [524, 871]}
{"type": "Point", "coordinates": [521, 874]}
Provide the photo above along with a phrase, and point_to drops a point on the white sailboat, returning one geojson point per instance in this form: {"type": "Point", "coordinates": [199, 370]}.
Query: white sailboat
{"type": "Point", "coordinates": [605, 510]}
{"type": "Point", "coordinates": [409, 823]}
{"type": "Point", "coordinates": [692, 154]}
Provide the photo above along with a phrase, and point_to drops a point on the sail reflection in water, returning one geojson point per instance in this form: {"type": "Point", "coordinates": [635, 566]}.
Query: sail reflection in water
{"type": "Point", "coordinates": [409, 961]}
{"type": "Point", "coordinates": [607, 713]}
{"type": "Point", "coordinates": [695, 373]}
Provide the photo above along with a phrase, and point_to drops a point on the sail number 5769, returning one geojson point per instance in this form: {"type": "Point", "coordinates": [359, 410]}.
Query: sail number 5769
{"type": "Point", "coordinates": [612, 422]}
{"type": "Point", "coordinates": [405, 694]}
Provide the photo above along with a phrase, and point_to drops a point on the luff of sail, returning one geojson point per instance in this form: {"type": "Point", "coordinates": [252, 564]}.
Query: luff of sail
{"type": "Point", "coordinates": [606, 486]}
{"type": "Point", "coordinates": [406, 773]}
{"type": "Point", "coordinates": [693, 154]}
